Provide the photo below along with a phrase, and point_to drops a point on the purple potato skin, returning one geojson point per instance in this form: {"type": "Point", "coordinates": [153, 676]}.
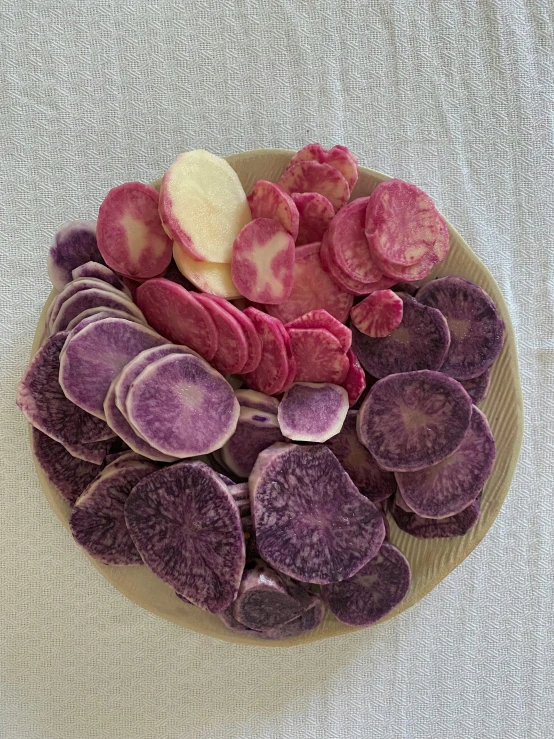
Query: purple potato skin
{"type": "Point", "coordinates": [67, 474]}
{"type": "Point", "coordinates": [476, 329]}
{"type": "Point", "coordinates": [478, 387]}
{"type": "Point", "coordinates": [439, 528]}
{"type": "Point", "coordinates": [420, 342]}
{"type": "Point", "coordinates": [74, 244]}
{"type": "Point", "coordinates": [44, 404]}
{"type": "Point", "coordinates": [373, 592]}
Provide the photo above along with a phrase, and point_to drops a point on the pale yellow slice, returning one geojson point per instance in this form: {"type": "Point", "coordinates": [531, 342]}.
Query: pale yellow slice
{"type": "Point", "coordinates": [210, 277]}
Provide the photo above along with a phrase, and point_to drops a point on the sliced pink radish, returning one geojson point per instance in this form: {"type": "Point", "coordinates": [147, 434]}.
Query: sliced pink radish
{"type": "Point", "coordinates": [291, 374]}
{"type": "Point", "coordinates": [263, 262]}
{"type": "Point", "coordinates": [379, 314]}
{"type": "Point", "coordinates": [178, 316]}
{"type": "Point", "coordinates": [232, 349]}
{"type": "Point", "coordinates": [203, 205]}
{"type": "Point", "coordinates": [312, 288]}
{"type": "Point", "coordinates": [269, 200]}
{"type": "Point", "coordinates": [315, 213]}
{"type": "Point", "coordinates": [343, 281]}
{"type": "Point", "coordinates": [209, 277]}
{"type": "Point", "coordinates": [271, 373]}
{"type": "Point", "coordinates": [413, 273]}
{"type": "Point", "coordinates": [315, 177]}
{"type": "Point", "coordinates": [254, 345]}
{"type": "Point", "coordinates": [355, 382]}
{"type": "Point", "coordinates": [347, 243]}
{"type": "Point", "coordinates": [130, 235]}
{"type": "Point", "coordinates": [338, 157]}
{"type": "Point", "coordinates": [321, 319]}
{"type": "Point", "coordinates": [319, 356]}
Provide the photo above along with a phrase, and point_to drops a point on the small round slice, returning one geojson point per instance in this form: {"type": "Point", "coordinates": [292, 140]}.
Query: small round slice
{"type": "Point", "coordinates": [319, 356]}
{"type": "Point", "coordinates": [374, 591]}
{"type": "Point", "coordinates": [269, 200]}
{"type": "Point", "coordinates": [100, 272]}
{"type": "Point", "coordinates": [432, 528]}
{"type": "Point", "coordinates": [208, 277]}
{"type": "Point", "coordinates": [477, 387]}
{"type": "Point", "coordinates": [74, 244]}
{"type": "Point", "coordinates": [319, 318]}
{"type": "Point", "coordinates": [256, 430]}
{"type": "Point", "coordinates": [94, 298]}
{"type": "Point", "coordinates": [345, 281]}
{"type": "Point", "coordinates": [315, 214]}
{"type": "Point", "coordinates": [232, 348]}
{"type": "Point", "coordinates": [354, 382]}
{"type": "Point", "coordinates": [253, 343]}
{"type": "Point", "coordinates": [310, 176]}
{"type": "Point", "coordinates": [271, 373]}
{"type": "Point", "coordinates": [312, 412]}
{"type": "Point", "coordinates": [75, 286]}
{"type": "Point", "coordinates": [99, 313]}
{"type": "Point", "coordinates": [338, 157]}
{"type": "Point", "coordinates": [413, 420]}
{"type": "Point", "coordinates": [379, 314]}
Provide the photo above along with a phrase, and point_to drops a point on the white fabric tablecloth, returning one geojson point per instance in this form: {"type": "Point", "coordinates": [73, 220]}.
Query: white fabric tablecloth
{"type": "Point", "coordinates": [456, 96]}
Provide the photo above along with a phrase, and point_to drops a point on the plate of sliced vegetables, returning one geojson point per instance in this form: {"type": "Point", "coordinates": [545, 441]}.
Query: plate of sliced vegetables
{"type": "Point", "coordinates": [274, 397]}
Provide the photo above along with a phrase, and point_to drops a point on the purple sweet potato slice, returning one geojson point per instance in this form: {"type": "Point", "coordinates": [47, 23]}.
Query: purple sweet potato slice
{"type": "Point", "coordinates": [451, 485]}
{"type": "Point", "coordinates": [338, 157]}
{"type": "Point", "coordinates": [345, 281]}
{"type": "Point", "coordinates": [310, 176]}
{"type": "Point", "coordinates": [319, 356]}
{"type": "Point", "coordinates": [232, 347]}
{"type": "Point", "coordinates": [100, 272]}
{"type": "Point", "coordinates": [372, 481]}
{"type": "Point", "coordinates": [308, 621]}
{"type": "Point", "coordinates": [312, 288]}
{"type": "Point", "coordinates": [321, 319]}
{"type": "Point", "coordinates": [187, 529]}
{"type": "Point", "coordinates": [99, 313]}
{"type": "Point", "coordinates": [93, 298]}
{"type": "Point", "coordinates": [94, 356]}
{"type": "Point", "coordinates": [374, 590]}
{"type": "Point", "coordinates": [315, 214]}
{"type": "Point", "coordinates": [226, 480]}
{"type": "Point", "coordinates": [355, 381]}
{"type": "Point", "coordinates": [268, 200]}
{"type": "Point", "coordinates": [413, 420]}
{"type": "Point", "coordinates": [94, 453]}
{"type": "Point", "coordinates": [271, 373]}
{"type": "Point", "coordinates": [436, 528]}
{"type": "Point", "coordinates": [239, 491]}
{"type": "Point", "coordinates": [67, 474]}
{"type": "Point", "coordinates": [420, 342]}
{"type": "Point", "coordinates": [476, 329]}
{"type": "Point", "coordinates": [311, 522]}
{"type": "Point", "coordinates": [256, 430]}
{"type": "Point", "coordinates": [74, 244]}
{"type": "Point", "coordinates": [253, 342]}
{"type": "Point", "coordinates": [97, 520]}
{"type": "Point", "coordinates": [477, 387]}
{"type": "Point", "coordinates": [130, 234]}
{"type": "Point", "coordinates": [257, 401]}
{"type": "Point", "coordinates": [379, 314]}
{"type": "Point", "coordinates": [312, 412]}
{"type": "Point", "coordinates": [75, 286]}
{"type": "Point", "coordinates": [263, 600]}
{"type": "Point", "coordinates": [176, 314]}
{"type": "Point", "coordinates": [182, 406]}
{"type": "Point", "coordinates": [43, 403]}
{"type": "Point", "coordinates": [347, 244]}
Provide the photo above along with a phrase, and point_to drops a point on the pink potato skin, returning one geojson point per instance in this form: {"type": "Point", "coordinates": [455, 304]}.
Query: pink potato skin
{"type": "Point", "coordinates": [338, 157]}
{"type": "Point", "coordinates": [379, 314]}
{"type": "Point", "coordinates": [135, 202]}
{"type": "Point", "coordinates": [310, 176]}
{"type": "Point", "coordinates": [315, 214]}
{"type": "Point", "coordinates": [269, 200]}
{"type": "Point", "coordinates": [270, 280]}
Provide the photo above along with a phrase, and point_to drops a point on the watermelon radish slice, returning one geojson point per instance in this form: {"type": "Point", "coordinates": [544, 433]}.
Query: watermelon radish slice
{"type": "Point", "coordinates": [338, 157]}
{"type": "Point", "coordinates": [379, 314]}
{"type": "Point", "coordinates": [321, 319]}
{"type": "Point", "coordinates": [319, 356]}
{"type": "Point", "coordinates": [253, 343]}
{"type": "Point", "coordinates": [354, 382]}
{"type": "Point", "coordinates": [100, 272]}
{"type": "Point", "coordinates": [232, 348]}
{"type": "Point", "coordinates": [74, 244]}
{"type": "Point", "coordinates": [347, 244]}
{"type": "Point", "coordinates": [312, 412]}
{"type": "Point", "coordinates": [271, 373]}
{"type": "Point", "coordinates": [256, 430]}
{"type": "Point", "coordinates": [310, 176]}
{"type": "Point", "coordinates": [268, 200]}
{"type": "Point", "coordinates": [315, 214]}
{"type": "Point", "coordinates": [431, 528]}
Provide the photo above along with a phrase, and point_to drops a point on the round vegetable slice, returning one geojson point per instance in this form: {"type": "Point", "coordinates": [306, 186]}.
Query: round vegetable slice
{"type": "Point", "coordinates": [476, 329]}
{"type": "Point", "coordinates": [187, 529]}
{"type": "Point", "coordinates": [74, 244]}
{"type": "Point", "coordinates": [93, 298]}
{"type": "Point", "coordinates": [431, 528]}
{"type": "Point", "coordinates": [209, 277]}
{"type": "Point", "coordinates": [312, 288]}
{"type": "Point", "coordinates": [315, 214]}
{"type": "Point", "coordinates": [272, 371]}
{"type": "Point", "coordinates": [257, 401]}
{"type": "Point", "coordinates": [310, 176]}
{"type": "Point", "coordinates": [95, 452]}
{"type": "Point", "coordinates": [420, 342]}
{"type": "Point", "coordinates": [232, 348]}
{"type": "Point", "coordinates": [182, 406]}
{"type": "Point", "coordinates": [78, 285]}
{"type": "Point", "coordinates": [379, 314]}
{"type": "Point", "coordinates": [269, 200]}
{"type": "Point", "coordinates": [413, 420]}
{"type": "Point", "coordinates": [477, 387]}
{"type": "Point", "coordinates": [100, 272]}
{"type": "Point", "coordinates": [176, 314]}
{"type": "Point", "coordinates": [319, 356]}
{"type": "Point", "coordinates": [311, 522]}
{"type": "Point", "coordinates": [450, 486]}
{"type": "Point", "coordinates": [355, 382]}
{"type": "Point", "coordinates": [253, 342]}
{"type": "Point", "coordinates": [347, 244]}
{"type": "Point", "coordinates": [43, 402]}
{"type": "Point", "coordinates": [97, 520]}
{"type": "Point", "coordinates": [255, 431]}
{"type": "Point", "coordinates": [346, 282]}
{"type": "Point", "coordinates": [312, 412]}
{"type": "Point", "coordinates": [319, 318]}
{"type": "Point", "coordinates": [372, 481]}
{"type": "Point", "coordinates": [99, 313]}
{"type": "Point", "coordinates": [291, 361]}
{"type": "Point", "coordinates": [308, 621]}
{"type": "Point", "coordinates": [338, 157]}
{"type": "Point", "coordinates": [373, 592]}
{"type": "Point", "coordinates": [65, 472]}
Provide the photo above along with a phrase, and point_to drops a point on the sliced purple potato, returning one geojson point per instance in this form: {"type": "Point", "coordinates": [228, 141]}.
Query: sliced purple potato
{"type": "Point", "coordinates": [182, 406]}
{"type": "Point", "coordinates": [239, 491]}
{"type": "Point", "coordinates": [94, 357]}
{"type": "Point", "coordinates": [311, 522]}
{"type": "Point", "coordinates": [450, 486]}
{"type": "Point", "coordinates": [128, 459]}
{"type": "Point", "coordinates": [97, 521]}
{"type": "Point", "coordinates": [257, 401]}
{"type": "Point", "coordinates": [308, 621]}
{"type": "Point", "coordinates": [255, 431]}
{"type": "Point", "coordinates": [374, 590]}
{"type": "Point", "coordinates": [44, 404]}
{"type": "Point", "coordinates": [187, 529]}
{"type": "Point", "coordinates": [476, 329]}
{"type": "Point", "coordinates": [98, 314]}
{"type": "Point", "coordinates": [74, 244]}
{"type": "Point", "coordinates": [226, 480]}
{"type": "Point", "coordinates": [312, 412]}
{"type": "Point", "coordinates": [74, 287]}
{"type": "Point", "coordinates": [251, 548]}
{"type": "Point", "coordinates": [66, 473]}
{"type": "Point", "coordinates": [100, 272]}
{"type": "Point", "coordinates": [477, 387]}
{"type": "Point", "coordinates": [420, 342]}
{"type": "Point", "coordinates": [93, 298]}
{"type": "Point", "coordinates": [94, 453]}
{"type": "Point", "coordinates": [382, 507]}
{"type": "Point", "coordinates": [413, 420]}
{"type": "Point", "coordinates": [372, 481]}
{"type": "Point", "coordinates": [436, 528]}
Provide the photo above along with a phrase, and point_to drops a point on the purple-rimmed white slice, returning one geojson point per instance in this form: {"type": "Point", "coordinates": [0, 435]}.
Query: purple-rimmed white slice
{"type": "Point", "coordinates": [257, 401]}
{"type": "Point", "coordinates": [312, 412]}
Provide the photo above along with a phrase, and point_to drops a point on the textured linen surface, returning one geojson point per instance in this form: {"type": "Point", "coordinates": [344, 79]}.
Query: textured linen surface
{"type": "Point", "coordinates": [456, 96]}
